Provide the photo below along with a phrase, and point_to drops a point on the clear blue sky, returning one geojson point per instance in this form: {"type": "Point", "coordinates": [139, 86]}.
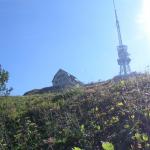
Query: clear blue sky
{"type": "Point", "coordinates": [37, 37]}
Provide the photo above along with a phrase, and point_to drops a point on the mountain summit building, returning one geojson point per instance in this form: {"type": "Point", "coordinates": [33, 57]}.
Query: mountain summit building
{"type": "Point", "coordinates": [61, 80]}
{"type": "Point", "coordinates": [64, 79]}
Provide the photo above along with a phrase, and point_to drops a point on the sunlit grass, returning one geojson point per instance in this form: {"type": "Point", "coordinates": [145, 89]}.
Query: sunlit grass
{"type": "Point", "coordinates": [113, 115]}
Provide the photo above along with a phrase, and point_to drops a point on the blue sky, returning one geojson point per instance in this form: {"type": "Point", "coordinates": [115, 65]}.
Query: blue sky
{"type": "Point", "coordinates": [39, 37]}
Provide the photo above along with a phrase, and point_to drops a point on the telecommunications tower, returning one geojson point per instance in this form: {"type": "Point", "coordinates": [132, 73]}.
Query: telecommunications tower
{"type": "Point", "coordinates": [123, 56]}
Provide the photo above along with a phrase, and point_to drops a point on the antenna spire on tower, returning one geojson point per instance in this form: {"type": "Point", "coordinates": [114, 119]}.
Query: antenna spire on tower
{"type": "Point", "coordinates": [117, 24]}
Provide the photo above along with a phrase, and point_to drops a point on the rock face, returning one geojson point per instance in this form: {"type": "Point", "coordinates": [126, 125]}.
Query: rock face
{"type": "Point", "coordinates": [64, 79]}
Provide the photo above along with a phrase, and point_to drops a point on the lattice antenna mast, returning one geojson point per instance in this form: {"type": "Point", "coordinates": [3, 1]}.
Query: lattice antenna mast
{"type": "Point", "coordinates": [117, 25]}
{"type": "Point", "coordinates": [123, 56]}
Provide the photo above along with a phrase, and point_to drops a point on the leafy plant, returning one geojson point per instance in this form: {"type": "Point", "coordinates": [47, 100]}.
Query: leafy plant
{"type": "Point", "coordinates": [145, 137]}
{"type": "Point", "coordinates": [107, 146]}
{"type": "Point", "coordinates": [76, 148]}
{"type": "Point", "coordinates": [82, 129]}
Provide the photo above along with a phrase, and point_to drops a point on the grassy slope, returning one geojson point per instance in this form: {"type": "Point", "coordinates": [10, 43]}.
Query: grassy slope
{"type": "Point", "coordinates": [118, 113]}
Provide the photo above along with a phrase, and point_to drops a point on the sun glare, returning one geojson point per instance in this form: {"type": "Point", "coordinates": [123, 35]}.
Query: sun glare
{"type": "Point", "coordinates": [144, 17]}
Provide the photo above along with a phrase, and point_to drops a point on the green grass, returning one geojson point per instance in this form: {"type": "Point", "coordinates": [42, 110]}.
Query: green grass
{"type": "Point", "coordinates": [116, 113]}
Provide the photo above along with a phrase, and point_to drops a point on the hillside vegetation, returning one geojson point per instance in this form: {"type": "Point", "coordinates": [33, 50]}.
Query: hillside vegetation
{"type": "Point", "coordinates": [108, 116]}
